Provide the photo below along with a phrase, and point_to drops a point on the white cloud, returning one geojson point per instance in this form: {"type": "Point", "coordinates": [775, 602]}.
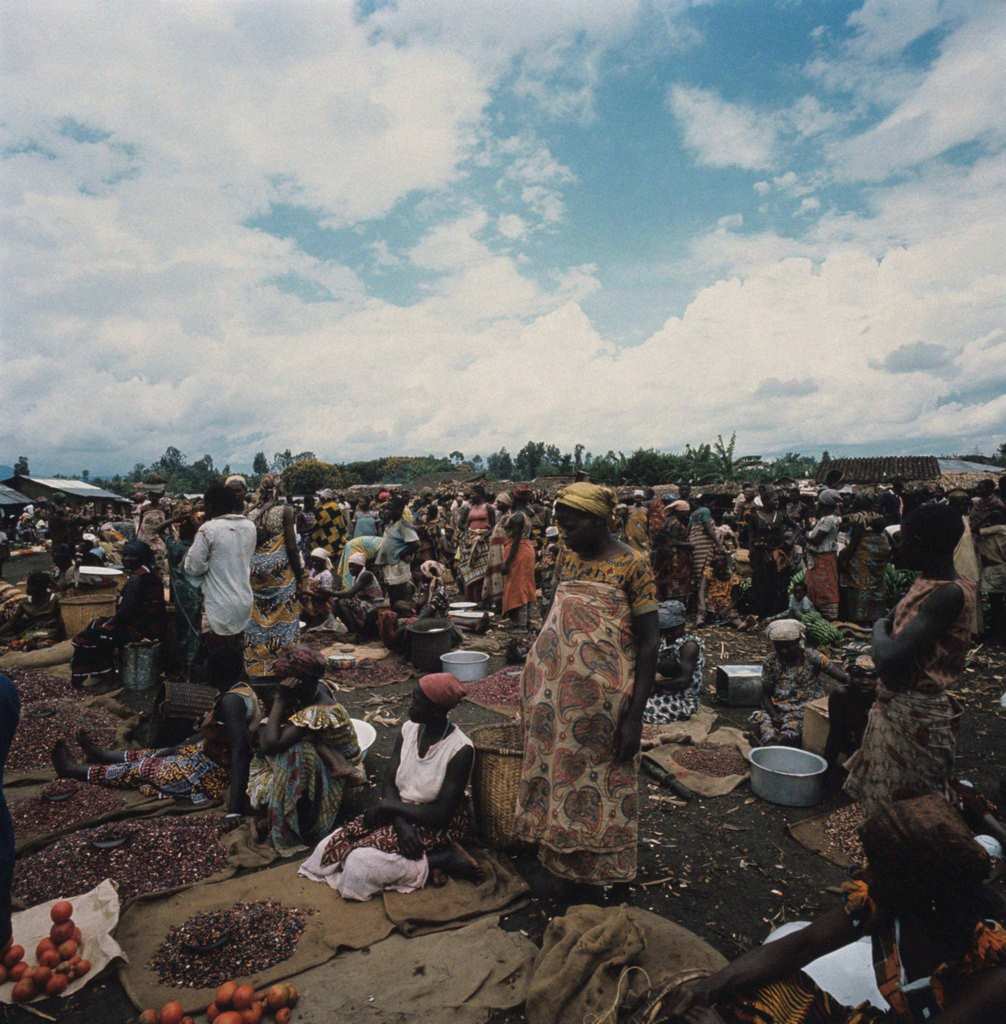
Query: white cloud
{"type": "Point", "coordinates": [723, 134]}
{"type": "Point", "coordinates": [512, 226]}
{"type": "Point", "coordinates": [809, 204]}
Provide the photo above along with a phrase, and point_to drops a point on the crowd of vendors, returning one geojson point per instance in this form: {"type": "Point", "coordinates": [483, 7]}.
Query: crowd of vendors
{"type": "Point", "coordinates": [606, 597]}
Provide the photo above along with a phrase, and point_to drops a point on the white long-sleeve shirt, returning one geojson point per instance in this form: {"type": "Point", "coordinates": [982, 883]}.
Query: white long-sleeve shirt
{"type": "Point", "coordinates": [221, 557]}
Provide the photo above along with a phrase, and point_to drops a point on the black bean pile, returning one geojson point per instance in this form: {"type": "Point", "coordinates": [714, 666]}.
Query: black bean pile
{"type": "Point", "coordinates": [39, 731]}
{"type": "Point", "coordinates": [712, 759]}
{"type": "Point", "coordinates": [36, 816]}
{"type": "Point", "coordinates": [256, 936]}
{"type": "Point", "coordinates": [34, 686]}
{"type": "Point", "coordinates": [161, 853]}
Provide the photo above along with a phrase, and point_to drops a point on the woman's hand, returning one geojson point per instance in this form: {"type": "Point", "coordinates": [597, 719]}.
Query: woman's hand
{"type": "Point", "coordinates": [698, 994]}
{"type": "Point", "coordinates": [408, 839]}
{"type": "Point", "coordinates": [628, 737]}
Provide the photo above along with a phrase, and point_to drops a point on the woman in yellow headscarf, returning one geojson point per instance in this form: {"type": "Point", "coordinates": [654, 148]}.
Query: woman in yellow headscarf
{"type": "Point", "coordinates": [584, 689]}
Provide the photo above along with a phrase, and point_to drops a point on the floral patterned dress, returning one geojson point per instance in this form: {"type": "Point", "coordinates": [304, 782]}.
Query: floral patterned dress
{"type": "Point", "coordinates": [792, 687]}
{"type": "Point", "coordinates": [575, 801]}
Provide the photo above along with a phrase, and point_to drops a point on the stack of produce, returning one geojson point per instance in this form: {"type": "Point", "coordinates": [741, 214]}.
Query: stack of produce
{"type": "Point", "coordinates": [58, 959]}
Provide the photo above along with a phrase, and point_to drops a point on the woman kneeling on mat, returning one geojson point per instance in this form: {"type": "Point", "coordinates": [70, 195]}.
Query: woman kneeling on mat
{"type": "Point", "coordinates": [413, 834]}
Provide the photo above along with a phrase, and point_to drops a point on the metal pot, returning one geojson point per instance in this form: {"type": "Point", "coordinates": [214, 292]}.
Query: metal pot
{"type": "Point", "coordinates": [787, 776]}
{"type": "Point", "coordinates": [466, 666]}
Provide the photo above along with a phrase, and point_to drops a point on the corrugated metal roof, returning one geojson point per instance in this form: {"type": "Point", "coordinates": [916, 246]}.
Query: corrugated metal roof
{"type": "Point", "coordinates": [8, 496]}
{"type": "Point", "coordinates": [963, 466]}
{"type": "Point", "coordinates": [78, 488]}
{"type": "Point", "coordinates": [882, 469]}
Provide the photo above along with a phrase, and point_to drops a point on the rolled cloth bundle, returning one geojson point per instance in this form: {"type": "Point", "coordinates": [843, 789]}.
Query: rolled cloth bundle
{"type": "Point", "coordinates": [590, 498]}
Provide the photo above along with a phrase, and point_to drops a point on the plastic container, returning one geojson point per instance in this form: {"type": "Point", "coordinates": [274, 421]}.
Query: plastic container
{"type": "Point", "coordinates": [366, 734]}
{"type": "Point", "coordinates": [141, 666]}
{"type": "Point", "coordinates": [787, 776]}
{"type": "Point", "coordinates": [466, 666]}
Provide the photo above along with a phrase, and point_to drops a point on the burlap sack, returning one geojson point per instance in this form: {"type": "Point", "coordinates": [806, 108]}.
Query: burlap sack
{"type": "Point", "coordinates": [694, 730]}
{"type": "Point", "coordinates": [58, 654]}
{"type": "Point", "coordinates": [596, 962]}
{"type": "Point", "coordinates": [700, 782]}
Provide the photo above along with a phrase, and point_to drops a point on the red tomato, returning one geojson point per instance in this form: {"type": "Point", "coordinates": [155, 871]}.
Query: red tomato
{"type": "Point", "coordinates": [62, 910]}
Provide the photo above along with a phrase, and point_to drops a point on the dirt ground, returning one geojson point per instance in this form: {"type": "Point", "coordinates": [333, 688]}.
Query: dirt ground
{"type": "Point", "coordinates": [726, 868]}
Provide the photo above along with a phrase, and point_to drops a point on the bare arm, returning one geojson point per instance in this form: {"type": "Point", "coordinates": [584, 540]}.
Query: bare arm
{"type": "Point", "coordinates": [290, 540]}
{"type": "Point", "coordinates": [276, 737]}
{"type": "Point", "coordinates": [232, 709]}
{"type": "Point", "coordinates": [896, 656]}
{"type": "Point", "coordinates": [630, 728]}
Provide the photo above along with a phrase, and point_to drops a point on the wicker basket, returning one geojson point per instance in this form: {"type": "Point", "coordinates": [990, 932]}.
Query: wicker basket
{"type": "Point", "coordinates": [77, 610]}
{"type": "Point", "coordinates": [187, 700]}
{"type": "Point", "coordinates": [498, 756]}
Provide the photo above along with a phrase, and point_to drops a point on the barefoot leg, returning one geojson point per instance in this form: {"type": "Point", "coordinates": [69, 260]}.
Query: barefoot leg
{"type": "Point", "coordinates": [94, 753]}
{"type": "Point", "coordinates": [66, 767]}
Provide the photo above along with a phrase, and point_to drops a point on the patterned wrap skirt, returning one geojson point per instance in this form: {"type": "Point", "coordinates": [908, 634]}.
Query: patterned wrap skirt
{"type": "Point", "coordinates": [575, 801]}
{"type": "Point", "coordinates": [275, 619]}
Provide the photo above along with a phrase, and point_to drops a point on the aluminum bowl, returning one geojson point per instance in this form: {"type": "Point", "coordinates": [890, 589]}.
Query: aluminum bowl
{"type": "Point", "coordinates": [466, 666]}
{"type": "Point", "coordinates": [787, 776]}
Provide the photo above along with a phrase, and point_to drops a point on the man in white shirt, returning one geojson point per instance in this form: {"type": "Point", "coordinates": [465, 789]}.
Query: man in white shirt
{"type": "Point", "coordinates": [220, 557]}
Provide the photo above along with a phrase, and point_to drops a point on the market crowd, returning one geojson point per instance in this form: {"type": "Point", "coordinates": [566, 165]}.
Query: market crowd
{"type": "Point", "coordinates": [606, 597]}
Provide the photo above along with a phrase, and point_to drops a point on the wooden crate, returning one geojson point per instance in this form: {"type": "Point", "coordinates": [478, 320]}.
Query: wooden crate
{"type": "Point", "coordinates": [816, 726]}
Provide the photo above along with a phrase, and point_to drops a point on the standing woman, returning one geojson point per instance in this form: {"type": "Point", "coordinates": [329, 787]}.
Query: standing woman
{"type": "Point", "coordinates": [822, 563]}
{"type": "Point", "coordinates": [766, 525]}
{"type": "Point", "coordinates": [584, 689]}
{"type": "Point", "coordinates": [474, 523]}
{"type": "Point", "coordinates": [492, 584]}
{"type": "Point", "coordinates": [329, 530]}
{"type": "Point", "coordinates": [672, 555]}
{"type": "Point", "coordinates": [276, 576]}
{"type": "Point", "coordinates": [519, 592]}
{"type": "Point", "coordinates": [704, 539]}
{"type": "Point", "coordinates": [911, 736]}
{"type": "Point", "coordinates": [862, 564]}
{"type": "Point", "coordinates": [186, 592]}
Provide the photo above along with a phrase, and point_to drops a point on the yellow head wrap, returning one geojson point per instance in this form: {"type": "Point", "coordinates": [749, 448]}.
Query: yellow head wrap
{"type": "Point", "coordinates": [590, 498]}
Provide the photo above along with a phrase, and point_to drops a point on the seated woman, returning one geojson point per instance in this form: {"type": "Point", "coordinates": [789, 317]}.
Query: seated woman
{"type": "Point", "coordinates": [356, 605]}
{"type": "Point", "coordinates": [318, 587]}
{"type": "Point", "coordinates": [939, 941]}
{"type": "Point", "coordinates": [139, 615]}
{"type": "Point", "coordinates": [433, 599]}
{"type": "Point", "coordinates": [681, 661]}
{"type": "Point", "coordinates": [367, 546]}
{"type": "Point", "coordinates": [792, 676]}
{"type": "Point", "coordinates": [35, 620]}
{"type": "Point", "coordinates": [422, 817]}
{"type": "Point", "coordinates": [307, 754]}
{"type": "Point", "coordinates": [202, 771]}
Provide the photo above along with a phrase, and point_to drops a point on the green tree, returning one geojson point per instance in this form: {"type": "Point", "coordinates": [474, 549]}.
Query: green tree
{"type": "Point", "coordinates": [21, 466]}
{"type": "Point", "coordinates": [477, 464]}
{"type": "Point", "coordinates": [528, 459]}
{"type": "Point", "coordinates": [310, 475]}
{"type": "Point", "coordinates": [499, 465]}
{"type": "Point", "coordinates": [282, 460]}
{"type": "Point", "coordinates": [260, 464]}
{"type": "Point", "coordinates": [457, 457]}
{"type": "Point", "coordinates": [85, 475]}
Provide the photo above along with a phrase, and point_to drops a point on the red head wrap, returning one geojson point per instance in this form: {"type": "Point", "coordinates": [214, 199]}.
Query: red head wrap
{"type": "Point", "coordinates": [443, 689]}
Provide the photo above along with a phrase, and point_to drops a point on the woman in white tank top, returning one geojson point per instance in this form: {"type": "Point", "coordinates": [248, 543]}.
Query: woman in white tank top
{"type": "Point", "coordinates": [421, 820]}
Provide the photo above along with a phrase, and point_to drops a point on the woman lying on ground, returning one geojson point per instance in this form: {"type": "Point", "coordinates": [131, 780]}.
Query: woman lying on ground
{"type": "Point", "coordinates": [202, 771]}
{"type": "Point", "coordinates": [416, 829]}
{"type": "Point", "coordinates": [939, 942]}
{"type": "Point", "coordinates": [307, 753]}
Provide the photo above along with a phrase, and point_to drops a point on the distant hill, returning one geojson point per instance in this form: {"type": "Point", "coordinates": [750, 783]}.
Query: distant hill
{"type": "Point", "coordinates": [6, 472]}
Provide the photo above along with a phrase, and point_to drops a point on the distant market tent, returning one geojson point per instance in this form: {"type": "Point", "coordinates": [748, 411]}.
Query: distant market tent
{"type": "Point", "coordinates": [11, 499]}
{"type": "Point", "coordinates": [76, 492]}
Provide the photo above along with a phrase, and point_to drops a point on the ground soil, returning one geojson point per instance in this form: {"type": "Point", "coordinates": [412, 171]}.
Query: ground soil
{"type": "Point", "coordinates": [726, 868]}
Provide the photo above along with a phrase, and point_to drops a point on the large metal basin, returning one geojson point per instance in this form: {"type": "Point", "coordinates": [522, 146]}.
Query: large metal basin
{"type": "Point", "coordinates": [787, 776]}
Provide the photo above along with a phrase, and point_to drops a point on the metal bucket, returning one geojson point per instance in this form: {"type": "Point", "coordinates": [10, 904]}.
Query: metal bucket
{"type": "Point", "coordinates": [426, 644]}
{"type": "Point", "coordinates": [466, 666]}
{"type": "Point", "coordinates": [787, 776]}
{"type": "Point", "coordinates": [141, 666]}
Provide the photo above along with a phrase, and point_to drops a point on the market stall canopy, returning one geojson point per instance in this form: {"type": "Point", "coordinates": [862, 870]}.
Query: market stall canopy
{"type": "Point", "coordinates": [39, 488]}
{"type": "Point", "coordinates": [10, 497]}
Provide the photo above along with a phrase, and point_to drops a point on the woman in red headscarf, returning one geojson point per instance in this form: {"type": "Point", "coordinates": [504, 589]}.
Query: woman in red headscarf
{"type": "Point", "coordinates": [415, 830]}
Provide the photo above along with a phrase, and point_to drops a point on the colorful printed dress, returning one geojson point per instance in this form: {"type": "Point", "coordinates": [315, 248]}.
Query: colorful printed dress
{"type": "Point", "coordinates": [274, 624]}
{"type": "Point", "coordinates": [199, 772]}
{"type": "Point", "coordinates": [575, 801]}
{"type": "Point", "coordinates": [294, 788]}
{"type": "Point", "coordinates": [798, 1000]}
{"type": "Point", "coordinates": [911, 735]}
{"type": "Point", "coordinates": [792, 687]}
{"type": "Point", "coordinates": [330, 530]}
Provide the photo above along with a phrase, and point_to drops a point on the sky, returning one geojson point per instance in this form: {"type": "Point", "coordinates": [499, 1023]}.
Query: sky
{"type": "Point", "coordinates": [435, 225]}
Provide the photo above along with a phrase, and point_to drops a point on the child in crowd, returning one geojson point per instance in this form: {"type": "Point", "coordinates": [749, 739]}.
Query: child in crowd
{"type": "Point", "coordinates": [716, 593]}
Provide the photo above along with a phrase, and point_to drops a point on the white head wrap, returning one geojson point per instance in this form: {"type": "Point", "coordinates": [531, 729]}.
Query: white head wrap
{"type": "Point", "coordinates": [785, 630]}
{"type": "Point", "coordinates": [322, 555]}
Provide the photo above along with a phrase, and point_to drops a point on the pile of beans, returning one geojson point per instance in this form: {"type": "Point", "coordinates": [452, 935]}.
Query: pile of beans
{"type": "Point", "coordinates": [502, 689]}
{"type": "Point", "coordinates": [712, 759]}
{"type": "Point", "coordinates": [34, 685]}
{"type": "Point", "coordinates": [253, 936]}
{"type": "Point", "coordinates": [841, 832]}
{"type": "Point", "coordinates": [37, 816]}
{"type": "Point", "coordinates": [160, 853]}
{"type": "Point", "coordinates": [44, 723]}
